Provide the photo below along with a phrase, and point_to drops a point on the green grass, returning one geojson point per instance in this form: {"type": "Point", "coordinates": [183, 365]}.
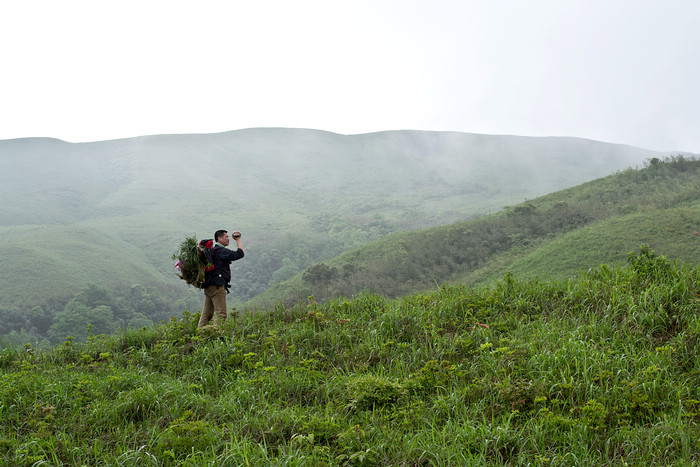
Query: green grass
{"type": "Point", "coordinates": [605, 242]}
{"type": "Point", "coordinates": [600, 369]}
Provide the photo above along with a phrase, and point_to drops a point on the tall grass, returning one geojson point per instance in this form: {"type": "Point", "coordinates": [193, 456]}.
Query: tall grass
{"type": "Point", "coordinates": [597, 370]}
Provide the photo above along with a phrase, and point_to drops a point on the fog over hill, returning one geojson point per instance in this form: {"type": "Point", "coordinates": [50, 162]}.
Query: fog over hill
{"type": "Point", "coordinates": [299, 196]}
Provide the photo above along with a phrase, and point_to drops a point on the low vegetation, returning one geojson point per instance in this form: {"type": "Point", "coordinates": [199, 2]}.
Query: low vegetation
{"type": "Point", "coordinates": [599, 369]}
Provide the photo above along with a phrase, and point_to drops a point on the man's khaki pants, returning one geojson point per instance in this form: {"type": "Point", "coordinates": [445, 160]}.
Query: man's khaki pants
{"type": "Point", "coordinates": [214, 301]}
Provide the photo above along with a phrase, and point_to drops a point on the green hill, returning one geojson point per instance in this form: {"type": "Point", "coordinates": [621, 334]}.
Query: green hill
{"type": "Point", "coordinates": [557, 235]}
{"type": "Point", "coordinates": [609, 242]}
{"type": "Point", "coordinates": [70, 255]}
{"type": "Point", "coordinates": [602, 369]}
{"type": "Point", "coordinates": [110, 214]}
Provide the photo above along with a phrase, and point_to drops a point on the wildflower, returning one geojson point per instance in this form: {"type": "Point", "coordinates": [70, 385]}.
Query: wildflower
{"type": "Point", "coordinates": [178, 263]}
{"type": "Point", "coordinates": [479, 324]}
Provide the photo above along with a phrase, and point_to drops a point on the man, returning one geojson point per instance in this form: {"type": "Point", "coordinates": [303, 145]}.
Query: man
{"type": "Point", "coordinates": [217, 281]}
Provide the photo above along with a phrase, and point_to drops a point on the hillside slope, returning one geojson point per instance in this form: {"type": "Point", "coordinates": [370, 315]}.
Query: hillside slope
{"type": "Point", "coordinates": [602, 369]}
{"type": "Point", "coordinates": [70, 255]}
{"type": "Point", "coordinates": [299, 196]}
{"type": "Point", "coordinates": [670, 231]}
{"type": "Point", "coordinates": [558, 235]}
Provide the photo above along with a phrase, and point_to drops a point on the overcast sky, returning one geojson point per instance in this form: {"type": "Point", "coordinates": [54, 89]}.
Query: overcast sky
{"type": "Point", "coordinates": [620, 71]}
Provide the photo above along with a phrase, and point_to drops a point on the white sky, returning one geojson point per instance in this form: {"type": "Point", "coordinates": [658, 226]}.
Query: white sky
{"type": "Point", "coordinates": [621, 71]}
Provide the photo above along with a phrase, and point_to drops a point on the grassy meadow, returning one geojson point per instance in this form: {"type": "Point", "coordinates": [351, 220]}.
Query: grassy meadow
{"type": "Point", "coordinates": [598, 369]}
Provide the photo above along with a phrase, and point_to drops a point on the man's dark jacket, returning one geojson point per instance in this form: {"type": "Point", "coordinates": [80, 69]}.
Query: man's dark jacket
{"type": "Point", "coordinates": [222, 258]}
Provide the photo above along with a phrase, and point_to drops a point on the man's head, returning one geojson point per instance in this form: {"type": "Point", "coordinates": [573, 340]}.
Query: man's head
{"type": "Point", "coordinates": [221, 236]}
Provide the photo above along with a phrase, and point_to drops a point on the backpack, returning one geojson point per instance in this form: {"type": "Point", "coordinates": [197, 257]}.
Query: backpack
{"type": "Point", "coordinates": [204, 252]}
{"type": "Point", "coordinates": [193, 260]}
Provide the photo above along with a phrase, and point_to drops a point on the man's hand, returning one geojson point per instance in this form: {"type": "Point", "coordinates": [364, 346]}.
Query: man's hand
{"type": "Point", "coordinates": [237, 238]}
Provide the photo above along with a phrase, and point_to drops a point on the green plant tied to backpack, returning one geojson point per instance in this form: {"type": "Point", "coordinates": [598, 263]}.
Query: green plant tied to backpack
{"type": "Point", "coordinates": [193, 259]}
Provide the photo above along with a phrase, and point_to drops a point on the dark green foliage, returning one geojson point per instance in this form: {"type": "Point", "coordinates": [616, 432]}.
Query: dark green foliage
{"type": "Point", "coordinates": [649, 266]}
{"type": "Point", "coordinates": [367, 392]}
{"type": "Point", "coordinates": [93, 311]}
{"type": "Point", "coordinates": [320, 276]}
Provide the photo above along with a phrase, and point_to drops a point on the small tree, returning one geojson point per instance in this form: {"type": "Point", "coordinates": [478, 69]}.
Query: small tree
{"type": "Point", "coordinates": [319, 274]}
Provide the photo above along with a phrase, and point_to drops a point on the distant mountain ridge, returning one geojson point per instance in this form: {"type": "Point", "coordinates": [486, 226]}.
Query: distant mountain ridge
{"type": "Point", "coordinates": [299, 196]}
